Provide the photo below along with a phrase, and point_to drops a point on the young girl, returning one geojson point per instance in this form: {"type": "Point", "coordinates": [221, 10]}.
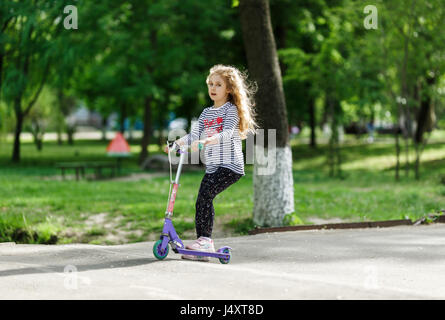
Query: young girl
{"type": "Point", "coordinates": [220, 129]}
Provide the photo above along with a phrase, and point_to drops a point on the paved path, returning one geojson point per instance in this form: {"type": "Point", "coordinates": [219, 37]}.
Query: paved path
{"type": "Point", "coordinates": [387, 263]}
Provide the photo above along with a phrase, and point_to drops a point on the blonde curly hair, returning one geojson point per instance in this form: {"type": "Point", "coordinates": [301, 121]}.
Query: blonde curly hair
{"type": "Point", "coordinates": [241, 92]}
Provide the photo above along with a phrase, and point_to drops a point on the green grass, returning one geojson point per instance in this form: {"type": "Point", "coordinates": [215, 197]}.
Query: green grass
{"type": "Point", "coordinates": [37, 207]}
{"type": "Point", "coordinates": [369, 191]}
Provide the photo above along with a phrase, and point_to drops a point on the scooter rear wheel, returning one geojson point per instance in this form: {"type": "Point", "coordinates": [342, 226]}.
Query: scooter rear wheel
{"type": "Point", "coordinates": [158, 253]}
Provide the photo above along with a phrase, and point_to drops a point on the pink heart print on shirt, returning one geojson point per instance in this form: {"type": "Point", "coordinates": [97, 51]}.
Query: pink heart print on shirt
{"type": "Point", "coordinates": [211, 131]}
{"type": "Point", "coordinates": [207, 124]}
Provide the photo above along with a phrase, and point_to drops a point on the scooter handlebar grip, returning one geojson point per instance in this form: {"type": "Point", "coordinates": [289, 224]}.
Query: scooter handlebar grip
{"type": "Point", "coordinates": [173, 145]}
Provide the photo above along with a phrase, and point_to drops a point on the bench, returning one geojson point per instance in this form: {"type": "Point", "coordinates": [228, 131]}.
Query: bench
{"type": "Point", "coordinates": [81, 167]}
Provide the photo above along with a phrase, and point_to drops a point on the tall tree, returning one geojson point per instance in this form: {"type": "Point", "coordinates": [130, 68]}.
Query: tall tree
{"type": "Point", "coordinates": [29, 29]}
{"type": "Point", "coordinates": [413, 53]}
{"type": "Point", "coordinates": [273, 186]}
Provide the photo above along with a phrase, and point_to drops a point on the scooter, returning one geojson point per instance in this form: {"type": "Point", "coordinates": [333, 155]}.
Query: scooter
{"type": "Point", "coordinates": [169, 235]}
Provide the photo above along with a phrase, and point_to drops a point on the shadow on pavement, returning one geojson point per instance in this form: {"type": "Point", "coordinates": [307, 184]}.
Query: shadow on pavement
{"type": "Point", "coordinates": [123, 263]}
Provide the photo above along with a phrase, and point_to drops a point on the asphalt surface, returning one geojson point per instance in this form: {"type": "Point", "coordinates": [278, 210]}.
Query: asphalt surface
{"type": "Point", "coordinates": [389, 263]}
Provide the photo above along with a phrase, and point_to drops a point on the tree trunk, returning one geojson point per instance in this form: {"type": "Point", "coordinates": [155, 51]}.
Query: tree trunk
{"type": "Point", "coordinates": [334, 113]}
{"type": "Point", "coordinates": [397, 140]}
{"type": "Point", "coordinates": [59, 137]}
{"type": "Point", "coordinates": [130, 131]}
{"type": "Point", "coordinates": [123, 116]}
{"type": "Point", "coordinates": [312, 122]}
{"type": "Point", "coordinates": [18, 130]}
{"type": "Point", "coordinates": [104, 127]}
{"type": "Point", "coordinates": [38, 133]}
{"type": "Point", "coordinates": [1, 73]}
{"type": "Point", "coordinates": [147, 130]}
{"type": "Point", "coordinates": [273, 186]}
{"type": "Point", "coordinates": [38, 141]}
{"type": "Point", "coordinates": [70, 136]}
{"type": "Point", "coordinates": [60, 117]}
{"type": "Point", "coordinates": [337, 125]}
{"type": "Point", "coordinates": [329, 117]}
{"type": "Point", "coordinates": [161, 138]}
{"type": "Point", "coordinates": [407, 152]}
{"type": "Point", "coordinates": [425, 122]}
{"type": "Point", "coordinates": [281, 36]}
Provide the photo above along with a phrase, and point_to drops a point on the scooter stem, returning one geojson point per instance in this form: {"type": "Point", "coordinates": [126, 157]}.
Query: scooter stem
{"type": "Point", "coordinates": [181, 161]}
{"type": "Point", "coordinates": [172, 196]}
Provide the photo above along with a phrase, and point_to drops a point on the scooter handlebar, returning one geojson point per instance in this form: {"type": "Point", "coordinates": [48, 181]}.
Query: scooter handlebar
{"type": "Point", "coordinates": [173, 146]}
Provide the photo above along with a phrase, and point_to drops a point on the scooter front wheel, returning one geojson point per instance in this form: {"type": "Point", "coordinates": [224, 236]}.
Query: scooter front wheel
{"type": "Point", "coordinates": [225, 260]}
{"type": "Point", "coordinates": [158, 252]}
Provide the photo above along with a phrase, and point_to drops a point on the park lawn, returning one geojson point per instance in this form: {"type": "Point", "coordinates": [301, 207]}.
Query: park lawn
{"type": "Point", "coordinates": [33, 198]}
{"type": "Point", "coordinates": [37, 207]}
{"type": "Point", "coordinates": [369, 191]}
{"type": "Point", "coordinates": [133, 209]}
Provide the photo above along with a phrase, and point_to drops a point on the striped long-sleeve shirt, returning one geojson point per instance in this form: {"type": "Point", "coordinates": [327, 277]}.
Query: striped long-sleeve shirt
{"type": "Point", "coordinates": [222, 122]}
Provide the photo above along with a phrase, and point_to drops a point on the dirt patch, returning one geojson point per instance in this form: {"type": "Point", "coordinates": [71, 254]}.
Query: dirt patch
{"type": "Point", "coordinates": [101, 228]}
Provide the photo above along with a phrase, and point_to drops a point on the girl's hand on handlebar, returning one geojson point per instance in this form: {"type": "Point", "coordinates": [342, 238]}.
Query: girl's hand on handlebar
{"type": "Point", "coordinates": [195, 145]}
{"type": "Point", "coordinates": [166, 148]}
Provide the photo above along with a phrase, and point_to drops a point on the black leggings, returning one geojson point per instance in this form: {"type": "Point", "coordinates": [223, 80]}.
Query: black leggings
{"type": "Point", "coordinates": [211, 185]}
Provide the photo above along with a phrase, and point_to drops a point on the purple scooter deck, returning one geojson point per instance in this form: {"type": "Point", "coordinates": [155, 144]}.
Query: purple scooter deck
{"type": "Point", "coordinates": [217, 254]}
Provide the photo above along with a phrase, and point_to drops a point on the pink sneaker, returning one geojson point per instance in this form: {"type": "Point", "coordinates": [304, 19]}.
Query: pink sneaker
{"type": "Point", "coordinates": [201, 244]}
